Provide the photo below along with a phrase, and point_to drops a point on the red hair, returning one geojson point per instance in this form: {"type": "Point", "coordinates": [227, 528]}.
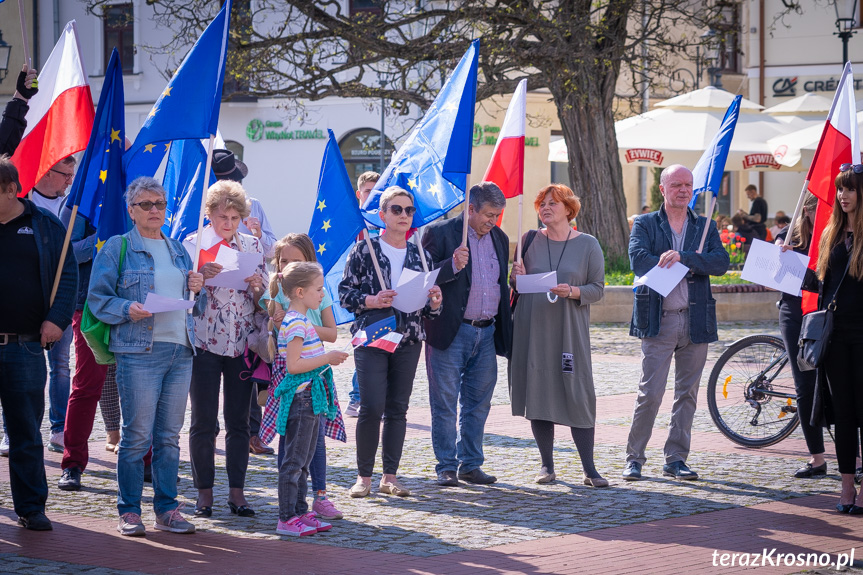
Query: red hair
{"type": "Point", "coordinates": [560, 194]}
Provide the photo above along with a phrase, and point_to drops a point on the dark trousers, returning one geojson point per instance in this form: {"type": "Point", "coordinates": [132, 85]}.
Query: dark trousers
{"type": "Point", "coordinates": [386, 382]}
{"type": "Point", "coordinates": [790, 318]}
{"type": "Point", "coordinates": [208, 369]}
{"type": "Point", "coordinates": [22, 395]}
{"type": "Point", "coordinates": [298, 447]}
{"type": "Point", "coordinates": [845, 380]}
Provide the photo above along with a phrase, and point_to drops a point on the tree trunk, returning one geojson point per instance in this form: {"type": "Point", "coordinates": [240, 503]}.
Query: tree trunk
{"type": "Point", "coordinates": [594, 170]}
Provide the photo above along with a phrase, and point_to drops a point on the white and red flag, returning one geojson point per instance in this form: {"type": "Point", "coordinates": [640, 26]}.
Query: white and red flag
{"type": "Point", "coordinates": [61, 114]}
{"type": "Point", "coordinates": [506, 168]}
{"type": "Point", "coordinates": [389, 342]}
{"type": "Point", "coordinates": [839, 144]}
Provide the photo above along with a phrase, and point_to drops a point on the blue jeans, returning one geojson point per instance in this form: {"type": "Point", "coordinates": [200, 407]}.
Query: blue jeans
{"type": "Point", "coordinates": [153, 389]}
{"type": "Point", "coordinates": [463, 375]}
{"type": "Point", "coordinates": [318, 465]}
{"type": "Point", "coordinates": [354, 395]}
{"type": "Point", "coordinates": [299, 446]}
{"type": "Point", "coordinates": [22, 394]}
{"type": "Point", "coordinates": [58, 385]}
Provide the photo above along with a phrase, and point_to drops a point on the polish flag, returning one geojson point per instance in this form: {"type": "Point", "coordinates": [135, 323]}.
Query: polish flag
{"type": "Point", "coordinates": [359, 338]}
{"type": "Point", "coordinates": [389, 342]}
{"type": "Point", "coordinates": [61, 115]}
{"type": "Point", "coordinates": [506, 168]}
{"type": "Point", "coordinates": [840, 144]}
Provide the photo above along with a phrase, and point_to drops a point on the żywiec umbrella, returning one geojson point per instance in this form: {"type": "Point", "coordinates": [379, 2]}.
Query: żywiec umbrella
{"type": "Point", "coordinates": [796, 150]}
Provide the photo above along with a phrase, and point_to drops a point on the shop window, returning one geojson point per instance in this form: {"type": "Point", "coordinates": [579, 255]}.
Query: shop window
{"type": "Point", "coordinates": [361, 150]}
{"type": "Point", "coordinates": [235, 147]}
{"type": "Point", "coordinates": [729, 38]}
{"type": "Point", "coordinates": [118, 32]}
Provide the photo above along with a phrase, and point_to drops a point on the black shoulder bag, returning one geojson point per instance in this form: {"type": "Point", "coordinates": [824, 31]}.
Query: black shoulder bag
{"type": "Point", "coordinates": [528, 239]}
{"type": "Point", "coordinates": [815, 332]}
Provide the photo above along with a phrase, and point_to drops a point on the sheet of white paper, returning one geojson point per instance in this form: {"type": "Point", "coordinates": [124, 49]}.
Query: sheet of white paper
{"type": "Point", "coordinates": [209, 238]}
{"type": "Point", "coordinates": [663, 280]}
{"type": "Point", "coordinates": [156, 303]}
{"type": "Point", "coordinates": [413, 290]}
{"type": "Point", "coordinates": [767, 265]}
{"type": "Point", "coordinates": [536, 283]}
{"type": "Point", "coordinates": [238, 266]}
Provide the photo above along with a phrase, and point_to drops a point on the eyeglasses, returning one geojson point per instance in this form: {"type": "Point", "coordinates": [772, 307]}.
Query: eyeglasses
{"type": "Point", "coordinates": [64, 174]}
{"type": "Point", "coordinates": [397, 210]}
{"type": "Point", "coordinates": [147, 206]}
{"type": "Point", "coordinates": [858, 168]}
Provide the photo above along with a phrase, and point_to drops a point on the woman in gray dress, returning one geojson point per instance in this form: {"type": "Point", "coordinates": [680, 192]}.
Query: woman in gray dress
{"type": "Point", "coordinates": [550, 377]}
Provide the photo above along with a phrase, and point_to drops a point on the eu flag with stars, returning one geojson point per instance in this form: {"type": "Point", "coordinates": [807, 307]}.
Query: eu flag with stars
{"type": "Point", "coordinates": [336, 220]}
{"type": "Point", "coordinates": [184, 186]}
{"type": "Point", "coordinates": [99, 185]}
{"type": "Point", "coordinates": [189, 106]}
{"type": "Point", "coordinates": [434, 161]}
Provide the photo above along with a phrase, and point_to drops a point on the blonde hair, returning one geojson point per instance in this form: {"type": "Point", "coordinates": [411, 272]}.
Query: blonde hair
{"type": "Point", "coordinates": [298, 275]}
{"type": "Point", "coordinates": [834, 232]}
{"type": "Point", "coordinates": [227, 194]}
{"type": "Point", "coordinates": [304, 244]}
{"type": "Point", "coordinates": [801, 235]}
{"type": "Point", "coordinates": [391, 193]}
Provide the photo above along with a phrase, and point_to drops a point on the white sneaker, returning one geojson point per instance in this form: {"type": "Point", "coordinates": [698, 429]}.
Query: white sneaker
{"type": "Point", "coordinates": [55, 444]}
{"type": "Point", "coordinates": [4, 446]}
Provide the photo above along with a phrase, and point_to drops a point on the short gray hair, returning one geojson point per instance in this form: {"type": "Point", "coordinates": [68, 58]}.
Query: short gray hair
{"type": "Point", "coordinates": [143, 184]}
{"type": "Point", "coordinates": [486, 193]}
{"type": "Point", "coordinates": [391, 193]}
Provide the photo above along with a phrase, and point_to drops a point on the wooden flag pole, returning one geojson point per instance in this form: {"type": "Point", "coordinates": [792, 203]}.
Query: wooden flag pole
{"type": "Point", "coordinates": [377, 265]}
{"type": "Point", "coordinates": [708, 223]}
{"type": "Point", "coordinates": [797, 213]}
{"type": "Point", "coordinates": [418, 238]}
{"type": "Point", "coordinates": [63, 253]}
{"type": "Point", "coordinates": [466, 207]}
{"type": "Point", "coordinates": [24, 39]}
{"type": "Point", "coordinates": [520, 218]}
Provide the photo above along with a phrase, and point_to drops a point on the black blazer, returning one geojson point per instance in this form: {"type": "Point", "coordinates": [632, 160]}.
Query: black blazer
{"type": "Point", "coordinates": [441, 239]}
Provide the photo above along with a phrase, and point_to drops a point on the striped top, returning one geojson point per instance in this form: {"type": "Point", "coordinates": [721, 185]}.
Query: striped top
{"type": "Point", "coordinates": [294, 325]}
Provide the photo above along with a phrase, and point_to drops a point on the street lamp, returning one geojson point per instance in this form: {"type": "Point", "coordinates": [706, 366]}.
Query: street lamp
{"type": "Point", "coordinates": [5, 50]}
{"type": "Point", "coordinates": [846, 19]}
{"type": "Point", "coordinates": [711, 57]}
{"type": "Point", "coordinates": [383, 126]}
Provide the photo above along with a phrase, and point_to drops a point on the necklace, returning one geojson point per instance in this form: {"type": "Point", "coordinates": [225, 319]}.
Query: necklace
{"type": "Point", "coordinates": [548, 295]}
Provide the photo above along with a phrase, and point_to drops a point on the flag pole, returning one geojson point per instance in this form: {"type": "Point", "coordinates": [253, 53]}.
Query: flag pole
{"type": "Point", "coordinates": [707, 224]}
{"type": "Point", "coordinates": [368, 237]}
{"type": "Point", "coordinates": [797, 212]}
{"type": "Point", "coordinates": [418, 237]}
{"type": "Point", "coordinates": [63, 253]}
{"type": "Point", "coordinates": [197, 255]}
{"type": "Point", "coordinates": [520, 218]}
{"type": "Point", "coordinates": [466, 207]}
{"type": "Point", "coordinates": [24, 44]}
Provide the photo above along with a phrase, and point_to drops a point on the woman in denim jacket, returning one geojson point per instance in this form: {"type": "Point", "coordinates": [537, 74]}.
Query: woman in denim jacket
{"type": "Point", "coordinates": [153, 352]}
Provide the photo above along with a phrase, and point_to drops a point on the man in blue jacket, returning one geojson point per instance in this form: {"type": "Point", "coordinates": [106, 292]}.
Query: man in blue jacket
{"type": "Point", "coordinates": [678, 326]}
{"type": "Point", "coordinates": [32, 241]}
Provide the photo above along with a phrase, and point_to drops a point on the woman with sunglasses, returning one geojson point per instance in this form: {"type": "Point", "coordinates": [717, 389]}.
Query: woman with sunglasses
{"type": "Point", "coordinates": [153, 352]}
{"type": "Point", "coordinates": [840, 271]}
{"type": "Point", "coordinates": [385, 379]}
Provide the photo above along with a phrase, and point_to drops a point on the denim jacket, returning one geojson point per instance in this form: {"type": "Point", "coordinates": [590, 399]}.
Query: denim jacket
{"type": "Point", "coordinates": [111, 296]}
{"type": "Point", "coordinates": [650, 237]}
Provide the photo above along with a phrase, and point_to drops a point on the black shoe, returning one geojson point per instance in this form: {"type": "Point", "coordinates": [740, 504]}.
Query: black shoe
{"type": "Point", "coordinates": [808, 471]}
{"type": "Point", "coordinates": [477, 476]}
{"type": "Point", "coordinates": [845, 507]}
{"type": "Point", "coordinates": [678, 470]}
{"type": "Point", "coordinates": [858, 475]}
{"type": "Point", "coordinates": [855, 510]}
{"type": "Point", "coordinates": [35, 521]}
{"type": "Point", "coordinates": [148, 474]}
{"type": "Point", "coordinates": [241, 510]}
{"type": "Point", "coordinates": [70, 480]}
{"type": "Point", "coordinates": [205, 511]}
{"type": "Point", "coordinates": [447, 479]}
{"type": "Point", "coordinates": [632, 471]}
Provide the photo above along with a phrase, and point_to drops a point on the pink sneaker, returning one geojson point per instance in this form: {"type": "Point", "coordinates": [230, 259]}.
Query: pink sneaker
{"type": "Point", "coordinates": [312, 521]}
{"type": "Point", "coordinates": [295, 526]}
{"type": "Point", "coordinates": [325, 509]}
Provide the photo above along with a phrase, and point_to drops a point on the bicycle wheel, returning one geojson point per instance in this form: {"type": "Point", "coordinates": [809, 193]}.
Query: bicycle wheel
{"type": "Point", "coordinates": [751, 393]}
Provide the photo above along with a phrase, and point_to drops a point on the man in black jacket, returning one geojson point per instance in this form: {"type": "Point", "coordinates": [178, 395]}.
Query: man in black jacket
{"type": "Point", "coordinates": [474, 326]}
{"type": "Point", "coordinates": [13, 124]}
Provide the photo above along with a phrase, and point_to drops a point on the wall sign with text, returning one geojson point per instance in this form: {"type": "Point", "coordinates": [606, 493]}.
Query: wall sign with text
{"type": "Point", "coordinates": [487, 136]}
{"type": "Point", "coordinates": [258, 130]}
{"type": "Point", "coordinates": [783, 87]}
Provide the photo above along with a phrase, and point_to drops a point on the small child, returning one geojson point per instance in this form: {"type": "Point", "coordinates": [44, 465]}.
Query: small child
{"type": "Point", "coordinates": [305, 390]}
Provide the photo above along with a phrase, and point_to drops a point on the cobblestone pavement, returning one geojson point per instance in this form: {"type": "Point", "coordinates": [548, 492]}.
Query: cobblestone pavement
{"type": "Point", "coordinates": [437, 521]}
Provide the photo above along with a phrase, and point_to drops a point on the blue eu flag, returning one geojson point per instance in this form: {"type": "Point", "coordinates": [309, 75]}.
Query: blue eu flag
{"type": "Point", "coordinates": [184, 185]}
{"type": "Point", "coordinates": [189, 106]}
{"type": "Point", "coordinates": [99, 184]}
{"type": "Point", "coordinates": [434, 161]}
{"type": "Point", "coordinates": [336, 221]}
{"type": "Point", "coordinates": [707, 174]}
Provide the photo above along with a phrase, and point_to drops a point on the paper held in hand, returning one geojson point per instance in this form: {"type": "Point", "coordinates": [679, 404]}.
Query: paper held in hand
{"type": "Point", "coordinates": [767, 265]}
{"type": "Point", "coordinates": [413, 290]}
{"type": "Point", "coordinates": [155, 303]}
{"type": "Point", "coordinates": [536, 283]}
{"type": "Point", "coordinates": [663, 280]}
{"type": "Point", "coordinates": [236, 267]}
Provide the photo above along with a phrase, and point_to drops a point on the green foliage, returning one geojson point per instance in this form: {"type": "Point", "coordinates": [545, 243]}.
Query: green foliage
{"type": "Point", "coordinates": [655, 194]}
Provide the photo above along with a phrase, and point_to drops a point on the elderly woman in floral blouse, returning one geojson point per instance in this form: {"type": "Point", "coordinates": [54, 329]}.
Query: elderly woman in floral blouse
{"type": "Point", "coordinates": [220, 339]}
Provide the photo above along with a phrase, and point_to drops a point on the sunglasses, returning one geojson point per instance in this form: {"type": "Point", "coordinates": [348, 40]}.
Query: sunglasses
{"type": "Point", "coordinates": [147, 206]}
{"type": "Point", "coordinates": [858, 168]}
{"type": "Point", "coordinates": [397, 210]}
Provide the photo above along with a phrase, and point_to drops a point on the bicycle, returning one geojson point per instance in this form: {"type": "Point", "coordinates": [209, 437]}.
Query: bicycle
{"type": "Point", "coordinates": [751, 393]}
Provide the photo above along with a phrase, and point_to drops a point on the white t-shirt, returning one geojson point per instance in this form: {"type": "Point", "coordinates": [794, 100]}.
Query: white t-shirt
{"type": "Point", "coordinates": [53, 205]}
{"type": "Point", "coordinates": [397, 261]}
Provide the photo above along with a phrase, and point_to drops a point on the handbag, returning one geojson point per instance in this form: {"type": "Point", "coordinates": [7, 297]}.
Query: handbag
{"type": "Point", "coordinates": [815, 332]}
{"type": "Point", "coordinates": [97, 333]}
{"type": "Point", "coordinates": [258, 340]}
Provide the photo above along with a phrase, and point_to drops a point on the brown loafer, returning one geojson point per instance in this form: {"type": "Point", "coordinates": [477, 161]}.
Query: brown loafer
{"type": "Point", "coordinates": [596, 481]}
{"type": "Point", "coordinates": [258, 447]}
{"type": "Point", "coordinates": [393, 488]}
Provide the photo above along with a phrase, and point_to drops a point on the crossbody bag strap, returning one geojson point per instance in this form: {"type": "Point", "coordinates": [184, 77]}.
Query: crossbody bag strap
{"type": "Point", "coordinates": [832, 305]}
